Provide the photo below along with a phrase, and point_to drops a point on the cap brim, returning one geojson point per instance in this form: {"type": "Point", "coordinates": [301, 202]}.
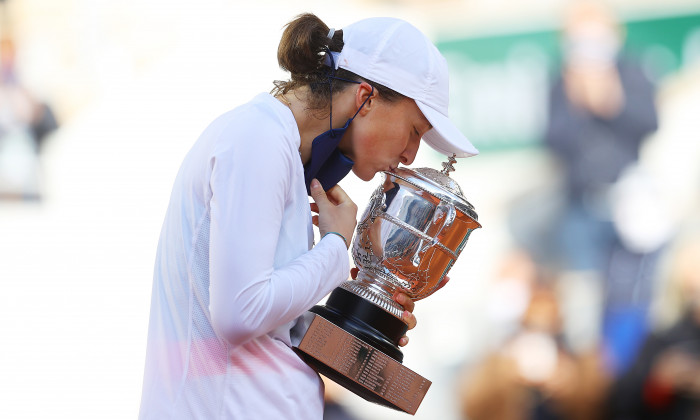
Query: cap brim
{"type": "Point", "coordinates": [445, 137]}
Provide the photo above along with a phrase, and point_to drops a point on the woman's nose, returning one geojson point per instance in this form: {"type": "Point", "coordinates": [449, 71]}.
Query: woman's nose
{"type": "Point", "coordinates": [409, 154]}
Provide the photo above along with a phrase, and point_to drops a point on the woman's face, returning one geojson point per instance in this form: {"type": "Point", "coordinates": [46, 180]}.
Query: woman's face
{"type": "Point", "coordinates": [386, 134]}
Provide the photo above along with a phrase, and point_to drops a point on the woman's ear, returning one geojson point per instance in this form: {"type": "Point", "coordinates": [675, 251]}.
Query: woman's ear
{"type": "Point", "coordinates": [365, 94]}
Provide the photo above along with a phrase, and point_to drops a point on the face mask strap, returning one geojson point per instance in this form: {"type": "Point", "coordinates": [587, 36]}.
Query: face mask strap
{"type": "Point", "coordinates": [331, 75]}
{"type": "Point", "coordinates": [363, 102]}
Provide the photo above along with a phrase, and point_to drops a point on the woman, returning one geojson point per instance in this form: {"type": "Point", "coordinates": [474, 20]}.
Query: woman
{"type": "Point", "coordinates": [236, 265]}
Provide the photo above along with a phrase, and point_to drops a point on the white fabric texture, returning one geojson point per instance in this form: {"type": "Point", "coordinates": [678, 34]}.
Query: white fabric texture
{"type": "Point", "coordinates": [234, 270]}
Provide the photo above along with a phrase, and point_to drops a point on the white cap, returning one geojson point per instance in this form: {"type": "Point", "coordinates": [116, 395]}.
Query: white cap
{"type": "Point", "coordinates": [395, 54]}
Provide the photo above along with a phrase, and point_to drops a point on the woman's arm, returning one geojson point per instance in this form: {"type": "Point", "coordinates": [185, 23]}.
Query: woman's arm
{"type": "Point", "coordinates": [249, 297]}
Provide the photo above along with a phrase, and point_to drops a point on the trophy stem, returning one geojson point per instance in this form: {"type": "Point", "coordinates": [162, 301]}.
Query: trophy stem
{"type": "Point", "coordinates": [377, 289]}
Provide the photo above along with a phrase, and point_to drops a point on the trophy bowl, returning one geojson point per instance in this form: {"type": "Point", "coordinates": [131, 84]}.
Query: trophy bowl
{"type": "Point", "coordinates": [410, 235]}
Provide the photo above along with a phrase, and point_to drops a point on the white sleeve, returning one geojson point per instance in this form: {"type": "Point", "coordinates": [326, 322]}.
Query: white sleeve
{"type": "Point", "coordinates": [248, 297]}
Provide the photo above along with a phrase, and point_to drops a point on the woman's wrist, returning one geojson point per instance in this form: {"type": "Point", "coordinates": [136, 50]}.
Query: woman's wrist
{"type": "Point", "coordinates": [347, 245]}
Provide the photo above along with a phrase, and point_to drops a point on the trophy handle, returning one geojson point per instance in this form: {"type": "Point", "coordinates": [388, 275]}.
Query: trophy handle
{"type": "Point", "coordinates": [443, 210]}
{"type": "Point", "coordinates": [447, 211]}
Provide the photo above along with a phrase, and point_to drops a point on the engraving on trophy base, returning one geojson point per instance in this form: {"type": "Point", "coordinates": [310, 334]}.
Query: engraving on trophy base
{"type": "Point", "coordinates": [360, 367]}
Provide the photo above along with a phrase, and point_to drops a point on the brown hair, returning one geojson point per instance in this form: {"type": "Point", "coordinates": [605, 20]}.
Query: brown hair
{"type": "Point", "coordinates": [301, 53]}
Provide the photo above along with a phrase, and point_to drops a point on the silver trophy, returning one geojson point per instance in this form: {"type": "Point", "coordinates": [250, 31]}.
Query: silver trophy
{"type": "Point", "coordinates": [412, 232]}
{"type": "Point", "coordinates": [410, 235]}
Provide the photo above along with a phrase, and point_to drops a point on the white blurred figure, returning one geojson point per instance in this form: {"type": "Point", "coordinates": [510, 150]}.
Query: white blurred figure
{"type": "Point", "coordinates": [24, 123]}
{"type": "Point", "coordinates": [510, 295]}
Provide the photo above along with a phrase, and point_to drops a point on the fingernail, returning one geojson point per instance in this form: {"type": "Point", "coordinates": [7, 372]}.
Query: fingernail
{"type": "Point", "coordinates": [315, 183]}
{"type": "Point", "coordinates": [406, 315]}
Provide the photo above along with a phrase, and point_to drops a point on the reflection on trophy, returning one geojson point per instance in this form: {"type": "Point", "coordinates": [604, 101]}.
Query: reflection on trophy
{"type": "Point", "coordinates": [410, 235]}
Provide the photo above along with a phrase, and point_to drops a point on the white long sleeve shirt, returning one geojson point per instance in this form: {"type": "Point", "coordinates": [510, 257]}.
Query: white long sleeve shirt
{"type": "Point", "coordinates": [234, 270]}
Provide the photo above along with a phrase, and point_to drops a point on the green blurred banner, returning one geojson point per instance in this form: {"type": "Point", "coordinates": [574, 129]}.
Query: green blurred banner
{"type": "Point", "coordinates": [499, 84]}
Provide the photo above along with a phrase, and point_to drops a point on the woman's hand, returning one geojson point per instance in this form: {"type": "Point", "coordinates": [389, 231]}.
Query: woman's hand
{"type": "Point", "coordinates": [407, 316]}
{"type": "Point", "coordinates": [336, 211]}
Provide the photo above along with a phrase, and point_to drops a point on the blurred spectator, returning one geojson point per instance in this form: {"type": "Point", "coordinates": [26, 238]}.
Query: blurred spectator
{"type": "Point", "coordinates": [534, 375]}
{"type": "Point", "coordinates": [664, 381]}
{"type": "Point", "coordinates": [25, 123]}
{"type": "Point", "coordinates": [601, 109]}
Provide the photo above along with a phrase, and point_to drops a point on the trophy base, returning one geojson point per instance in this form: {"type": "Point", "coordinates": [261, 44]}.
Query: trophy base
{"type": "Point", "coordinates": [365, 320]}
{"type": "Point", "coordinates": [360, 367]}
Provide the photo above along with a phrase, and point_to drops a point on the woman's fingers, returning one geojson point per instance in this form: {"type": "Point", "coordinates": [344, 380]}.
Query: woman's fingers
{"type": "Point", "coordinates": [338, 196]}
{"type": "Point", "coordinates": [336, 211]}
{"type": "Point", "coordinates": [405, 301]}
{"type": "Point", "coordinates": [408, 305]}
{"type": "Point", "coordinates": [409, 319]}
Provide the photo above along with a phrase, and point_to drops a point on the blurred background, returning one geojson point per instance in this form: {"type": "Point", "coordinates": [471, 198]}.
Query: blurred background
{"type": "Point", "coordinates": [577, 299]}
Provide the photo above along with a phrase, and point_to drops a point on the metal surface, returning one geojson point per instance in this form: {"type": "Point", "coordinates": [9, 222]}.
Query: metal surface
{"type": "Point", "coordinates": [362, 368]}
{"type": "Point", "coordinates": [411, 233]}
